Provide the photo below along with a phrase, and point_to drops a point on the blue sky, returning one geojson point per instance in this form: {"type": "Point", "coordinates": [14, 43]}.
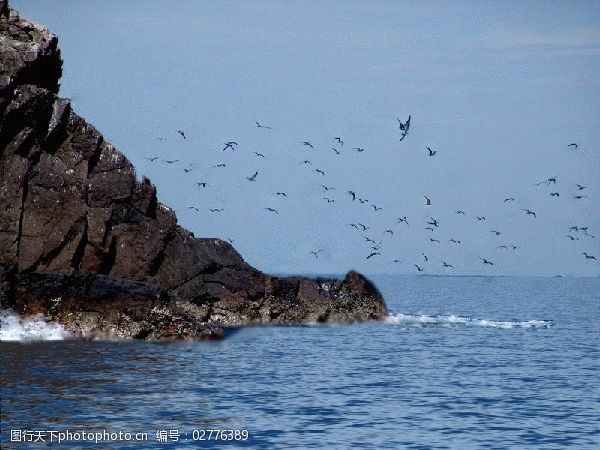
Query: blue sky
{"type": "Point", "coordinates": [498, 89]}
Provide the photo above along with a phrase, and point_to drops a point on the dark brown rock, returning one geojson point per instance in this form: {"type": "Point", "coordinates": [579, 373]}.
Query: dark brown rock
{"type": "Point", "coordinates": [83, 242]}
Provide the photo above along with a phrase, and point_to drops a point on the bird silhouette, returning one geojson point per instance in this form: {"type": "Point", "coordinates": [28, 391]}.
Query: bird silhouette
{"type": "Point", "coordinates": [202, 184]}
{"type": "Point", "coordinates": [402, 219]}
{"type": "Point", "coordinates": [193, 207]}
{"type": "Point", "coordinates": [260, 155]}
{"type": "Point", "coordinates": [230, 145]}
{"type": "Point", "coordinates": [308, 144]}
{"type": "Point", "coordinates": [171, 161]}
{"type": "Point", "coordinates": [554, 194]}
{"type": "Point", "coordinates": [509, 199]}
{"type": "Point", "coordinates": [215, 210]}
{"type": "Point", "coordinates": [588, 256]}
{"type": "Point", "coordinates": [326, 188]}
{"type": "Point", "coordinates": [339, 141]}
{"type": "Point", "coordinates": [433, 222]}
{"type": "Point", "coordinates": [320, 171]}
{"type": "Point", "coordinates": [273, 210]}
{"type": "Point", "coordinates": [445, 264]}
{"type": "Point", "coordinates": [154, 158]}
{"type": "Point", "coordinates": [485, 261]}
{"type": "Point", "coordinates": [282, 194]}
{"type": "Point", "coordinates": [373, 254]}
{"type": "Point", "coordinates": [427, 201]}
{"type": "Point", "coordinates": [181, 133]}
{"type": "Point", "coordinates": [573, 144]}
{"type": "Point", "coordinates": [353, 225]}
{"type": "Point", "coordinates": [376, 208]}
{"type": "Point", "coordinates": [358, 149]}
{"type": "Point", "coordinates": [258, 125]}
{"type": "Point", "coordinates": [480, 217]}
{"type": "Point", "coordinates": [316, 253]}
{"type": "Point", "coordinates": [431, 152]}
{"type": "Point", "coordinates": [364, 227]}
{"type": "Point", "coordinates": [353, 194]}
{"type": "Point", "coordinates": [497, 233]}
{"type": "Point", "coordinates": [418, 268]}
{"type": "Point", "coordinates": [329, 200]}
{"type": "Point", "coordinates": [580, 187]}
{"type": "Point", "coordinates": [429, 229]}
{"type": "Point", "coordinates": [306, 161]}
{"type": "Point", "coordinates": [454, 241]}
{"type": "Point", "coordinates": [219, 165]}
{"type": "Point", "coordinates": [434, 240]}
{"type": "Point", "coordinates": [460, 211]}
{"type": "Point", "coordinates": [186, 170]}
{"type": "Point", "coordinates": [425, 257]}
{"type": "Point", "coordinates": [253, 177]}
{"type": "Point", "coordinates": [579, 197]}
{"type": "Point", "coordinates": [529, 212]}
{"type": "Point", "coordinates": [389, 231]}
{"type": "Point", "coordinates": [336, 150]}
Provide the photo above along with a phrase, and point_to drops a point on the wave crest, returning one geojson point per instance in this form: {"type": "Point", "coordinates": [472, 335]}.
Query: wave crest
{"type": "Point", "coordinates": [409, 320]}
{"type": "Point", "coordinates": [35, 328]}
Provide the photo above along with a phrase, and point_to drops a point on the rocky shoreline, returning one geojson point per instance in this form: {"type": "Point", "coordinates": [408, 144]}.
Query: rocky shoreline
{"type": "Point", "coordinates": [84, 243]}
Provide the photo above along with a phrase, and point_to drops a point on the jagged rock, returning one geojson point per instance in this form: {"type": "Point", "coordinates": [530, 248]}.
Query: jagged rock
{"type": "Point", "coordinates": [85, 243]}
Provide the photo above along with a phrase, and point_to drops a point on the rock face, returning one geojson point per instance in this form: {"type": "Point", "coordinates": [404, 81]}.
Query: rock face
{"type": "Point", "coordinates": [83, 242]}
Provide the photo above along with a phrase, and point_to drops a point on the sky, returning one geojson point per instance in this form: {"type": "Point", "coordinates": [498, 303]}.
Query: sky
{"type": "Point", "coordinates": [497, 89]}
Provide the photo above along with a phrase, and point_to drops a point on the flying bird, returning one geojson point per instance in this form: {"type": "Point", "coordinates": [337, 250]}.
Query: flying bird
{"type": "Point", "coordinates": [573, 144]}
{"type": "Point", "coordinates": [485, 261]}
{"type": "Point", "coordinates": [308, 144]}
{"type": "Point", "coordinates": [353, 194]}
{"type": "Point", "coordinates": [320, 171]}
{"type": "Point", "coordinates": [282, 194]}
{"type": "Point", "coordinates": [186, 170]}
{"type": "Point", "coordinates": [326, 188]}
{"type": "Point", "coordinates": [219, 165]}
{"type": "Point", "coordinates": [581, 187]}
{"type": "Point", "coordinates": [358, 149]}
{"type": "Point", "coordinates": [460, 211]}
{"type": "Point", "coordinates": [260, 155]}
{"type": "Point", "coordinates": [404, 126]}
{"type": "Point", "coordinates": [230, 145]}
{"type": "Point", "coordinates": [373, 254]}
{"type": "Point", "coordinates": [402, 219]}
{"type": "Point", "coordinates": [364, 227]}
{"type": "Point", "coordinates": [509, 199]}
{"type": "Point", "coordinates": [376, 208]}
{"type": "Point", "coordinates": [273, 210]}
{"type": "Point", "coordinates": [454, 241]}
{"type": "Point", "coordinates": [447, 265]}
{"type": "Point", "coordinates": [427, 201]}
{"type": "Point", "coordinates": [202, 184]}
{"type": "Point", "coordinates": [154, 158]}
{"type": "Point", "coordinates": [389, 231]}
{"type": "Point", "coordinates": [429, 229]}
{"type": "Point", "coordinates": [434, 240]}
{"type": "Point", "coordinates": [497, 233]}
{"type": "Point", "coordinates": [193, 207]}
{"type": "Point", "coordinates": [171, 161]}
{"type": "Point", "coordinates": [258, 125]}
{"type": "Point", "coordinates": [425, 256]}
{"type": "Point", "coordinates": [529, 212]}
{"type": "Point", "coordinates": [588, 256]}
{"type": "Point", "coordinates": [181, 133]}
{"type": "Point", "coordinates": [329, 200]}
{"type": "Point", "coordinates": [418, 268]}
{"type": "Point", "coordinates": [316, 253]}
{"type": "Point", "coordinates": [554, 194]}
{"type": "Point", "coordinates": [433, 222]}
{"type": "Point", "coordinates": [431, 152]}
{"type": "Point", "coordinates": [339, 141]}
{"type": "Point", "coordinates": [579, 197]}
{"type": "Point", "coordinates": [336, 150]}
{"type": "Point", "coordinates": [253, 177]}
{"type": "Point", "coordinates": [480, 217]}
{"type": "Point", "coordinates": [306, 161]}
{"type": "Point", "coordinates": [214, 210]}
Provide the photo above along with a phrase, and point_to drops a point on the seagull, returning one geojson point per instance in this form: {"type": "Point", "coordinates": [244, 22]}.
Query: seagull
{"type": "Point", "coordinates": [363, 200]}
{"type": "Point", "coordinates": [485, 261]}
{"type": "Point", "coordinates": [574, 228]}
{"type": "Point", "coordinates": [431, 152]}
{"type": "Point", "coordinates": [306, 161]}
{"type": "Point", "coordinates": [181, 133]}
{"type": "Point", "coordinates": [154, 158]}
{"type": "Point", "coordinates": [425, 256]}
{"type": "Point", "coordinates": [364, 227]}
{"type": "Point", "coordinates": [547, 182]}
{"type": "Point", "coordinates": [514, 247]}
{"type": "Point", "coordinates": [308, 144]}
{"type": "Point", "coordinates": [579, 187]}
{"type": "Point", "coordinates": [497, 233]}
{"type": "Point", "coordinates": [368, 239]}
{"type": "Point", "coordinates": [219, 165]}
{"type": "Point", "coordinates": [328, 188]}
{"type": "Point", "coordinates": [460, 211]}
{"type": "Point", "coordinates": [502, 246]}
{"type": "Point", "coordinates": [429, 228]}
{"type": "Point", "coordinates": [353, 194]}
{"type": "Point", "coordinates": [320, 171]}
{"type": "Point", "coordinates": [283, 194]}
{"type": "Point", "coordinates": [187, 170]}
{"type": "Point", "coordinates": [396, 261]}
{"type": "Point", "coordinates": [329, 200]}
{"type": "Point", "coordinates": [579, 197]}
{"type": "Point", "coordinates": [171, 161]}
{"type": "Point", "coordinates": [339, 141]}
{"type": "Point", "coordinates": [433, 222]}
{"type": "Point", "coordinates": [480, 217]}
{"type": "Point", "coordinates": [253, 177]}
{"type": "Point", "coordinates": [353, 225]}
{"type": "Point", "coordinates": [260, 155]}
{"type": "Point", "coordinates": [231, 241]}
{"type": "Point", "coordinates": [376, 208]}
{"type": "Point", "coordinates": [573, 144]}
{"type": "Point", "coordinates": [316, 253]}
{"type": "Point", "coordinates": [418, 268]}
{"type": "Point", "coordinates": [272, 210]}
{"type": "Point", "coordinates": [202, 184]}
{"type": "Point", "coordinates": [529, 212]}
{"type": "Point", "coordinates": [402, 219]}
{"type": "Point", "coordinates": [572, 238]}
{"type": "Point", "coordinates": [588, 256]}
{"type": "Point", "coordinates": [214, 210]}
{"type": "Point", "coordinates": [336, 150]}
{"type": "Point", "coordinates": [258, 125]}
{"type": "Point", "coordinates": [373, 254]}
{"type": "Point", "coordinates": [554, 194]}
{"type": "Point", "coordinates": [427, 201]}
{"type": "Point", "coordinates": [434, 240]}
{"type": "Point", "coordinates": [404, 126]}
{"type": "Point", "coordinates": [454, 241]}
{"type": "Point", "coordinates": [389, 231]}
{"type": "Point", "coordinates": [447, 265]}
{"type": "Point", "coordinates": [230, 145]}
{"type": "Point", "coordinates": [358, 149]}
{"type": "Point", "coordinates": [193, 207]}
{"type": "Point", "coordinates": [509, 199]}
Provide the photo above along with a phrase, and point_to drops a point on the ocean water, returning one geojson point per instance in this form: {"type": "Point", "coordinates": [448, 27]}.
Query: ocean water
{"type": "Point", "coordinates": [462, 362]}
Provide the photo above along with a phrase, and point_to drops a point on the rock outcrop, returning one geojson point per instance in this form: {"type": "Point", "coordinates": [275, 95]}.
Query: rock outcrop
{"type": "Point", "coordinates": [84, 243]}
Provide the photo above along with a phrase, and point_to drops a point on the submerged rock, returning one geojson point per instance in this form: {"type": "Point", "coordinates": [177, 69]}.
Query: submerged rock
{"type": "Point", "coordinates": [84, 243]}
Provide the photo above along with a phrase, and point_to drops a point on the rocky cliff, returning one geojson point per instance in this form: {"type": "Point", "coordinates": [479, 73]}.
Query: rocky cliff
{"type": "Point", "coordinates": [84, 243]}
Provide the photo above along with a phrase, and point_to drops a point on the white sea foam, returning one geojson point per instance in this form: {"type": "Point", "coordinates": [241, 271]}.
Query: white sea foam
{"type": "Point", "coordinates": [14, 328]}
{"type": "Point", "coordinates": [409, 320]}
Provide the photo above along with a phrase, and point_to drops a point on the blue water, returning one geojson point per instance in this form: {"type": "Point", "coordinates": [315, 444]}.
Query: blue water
{"type": "Point", "coordinates": [465, 363]}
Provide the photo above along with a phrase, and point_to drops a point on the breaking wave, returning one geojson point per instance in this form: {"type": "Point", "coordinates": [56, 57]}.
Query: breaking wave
{"type": "Point", "coordinates": [15, 328]}
{"type": "Point", "coordinates": [408, 320]}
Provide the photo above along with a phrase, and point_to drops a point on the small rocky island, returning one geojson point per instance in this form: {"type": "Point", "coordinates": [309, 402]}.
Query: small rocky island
{"type": "Point", "coordinates": [84, 243]}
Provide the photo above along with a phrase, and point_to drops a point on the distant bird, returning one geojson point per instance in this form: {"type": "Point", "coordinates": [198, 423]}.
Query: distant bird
{"type": "Point", "coordinates": [260, 155]}
{"type": "Point", "coordinates": [572, 238]}
{"type": "Point", "coordinates": [368, 239]}
{"type": "Point", "coordinates": [376, 208]}
{"type": "Point", "coordinates": [376, 247]}
{"type": "Point", "coordinates": [402, 219]}
{"type": "Point", "coordinates": [404, 128]}
{"type": "Point", "coordinates": [454, 241]}
{"type": "Point", "coordinates": [364, 227]}
{"type": "Point", "coordinates": [202, 184]}
{"type": "Point", "coordinates": [427, 201]}
{"type": "Point", "coordinates": [485, 261]}
{"type": "Point", "coordinates": [554, 194]}
{"type": "Point", "coordinates": [514, 247]}
{"type": "Point", "coordinates": [581, 187]}
{"type": "Point", "coordinates": [574, 228]}
{"type": "Point", "coordinates": [154, 158]}
{"type": "Point", "coordinates": [193, 207]}
{"type": "Point", "coordinates": [326, 188]}
{"type": "Point", "coordinates": [396, 261]}
{"type": "Point", "coordinates": [389, 231]}
{"type": "Point", "coordinates": [429, 229]}
{"type": "Point", "coordinates": [431, 152]}
{"type": "Point", "coordinates": [171, 161]}
{"type": "Point", "coordinates": [434, 240]}
{"type": "Point", "coordinates": [547, 181]}
{"type": "Point", "coordinates": [373, 254]}
{"type": "Point", "coordinates": [219, 165]}
{"type": "Point", "coordinates": [460, 211]}
{"type": "Point", "coordinates": [353, 194]}
{"type": "Point", "coordinates": [336, 150]}
{"type": "Point", "coordinates": [306, 161]}
{"type": "Point", "coordinates": [433, 222]}
{"type": "Point", "coordinates": [447, 265]}
{"type": "Point", "coordinates": [231, 241]}
{"type": "Point", "coordinates": [502, 246]}
{"type": "Point", "coordinates": [273, 210]}
{"type": "Point", "coordinates": [329, 200]}
{"type": "Point", "coordinates": [214, 210]}
{"type": "Point", "coordinates": [579, 197]}
{"type": "Point", "coordinates": [358, 149]}
{"type": "Point", "coordinates": [480, 217]}
{"type": "Point", "coordinates": [497, 233]}
{"type": "Point", "coordinates": [425, 257]}
{"type": "Point", "coordinates": [253, 177]}
{"type": "Point", "coordinates": [258, 125]}
{"type": "Point", "coordinates": [187, 170]}
{"type": "Point", "coordinates": [509, 199]}
{"type": "Point", "coordinates": [529, 212]}
{"type": "Point", "coordinates": [363, 200]}
{"type": "Point", "coordinates": [308, 144]}
{"type": "Point", "coordinates": [339, 141]}
{"type": "Point", "coordinates": [316, 253]}
{"type": "Point", "coordinates": [320, 171]}
{"type": "Point", "coordinates": [418, 268]}
{"type": "Point", "coordinates": [230, 145]}
{"type": "Point", "coordinates": [283, 194]}
{"type": "Point", "coordinates": [353, 225]}
{"type": "Point", "coordinates": [181, 133]}
{"type": "Point", "coordinates": [573, 144]}
{"type": "Point", "coordinates": [588, 256]}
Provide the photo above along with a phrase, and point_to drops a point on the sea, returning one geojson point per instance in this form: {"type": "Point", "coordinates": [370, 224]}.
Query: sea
{"type": "Point", "coordinates": [460, 363]}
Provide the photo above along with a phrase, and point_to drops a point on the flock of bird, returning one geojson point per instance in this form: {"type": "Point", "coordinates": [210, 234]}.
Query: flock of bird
{"type": "Point", "coordinates": [375, 247]}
